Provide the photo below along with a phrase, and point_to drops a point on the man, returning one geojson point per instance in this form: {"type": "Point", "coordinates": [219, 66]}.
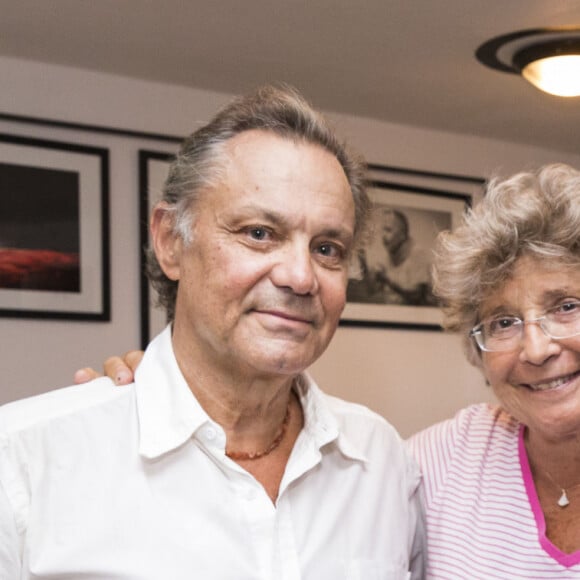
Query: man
{"type": "Point", "coordinates": [403, 273]}
{"type": "Point", "coordinates": [223, 459]}
{"type": "Point", "coordinates": [406, 277]}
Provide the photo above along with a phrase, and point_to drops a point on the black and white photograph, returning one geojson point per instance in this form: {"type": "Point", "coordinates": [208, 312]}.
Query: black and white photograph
{"type": "Point", "coordinates": [390, 278]}
{"type": "Point", "coordinates": [395, 267]}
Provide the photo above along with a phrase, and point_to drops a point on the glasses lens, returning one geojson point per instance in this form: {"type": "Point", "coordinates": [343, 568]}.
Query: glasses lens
{"type": "Point", "coordinates": [498, 334]}
{"type": "Point", "coordinates": [563, 321]}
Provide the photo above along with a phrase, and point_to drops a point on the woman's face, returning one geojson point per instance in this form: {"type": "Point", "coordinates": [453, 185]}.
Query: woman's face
{"type": "Point", "coordinates": [538, 382]}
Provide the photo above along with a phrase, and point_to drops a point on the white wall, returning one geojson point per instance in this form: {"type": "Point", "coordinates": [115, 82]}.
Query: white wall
{"type": "Point", "coordinates": [413, 378]}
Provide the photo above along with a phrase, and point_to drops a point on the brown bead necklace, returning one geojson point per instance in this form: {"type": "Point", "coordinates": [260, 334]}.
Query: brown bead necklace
{"type": "Point", "coordinates": [243, 455]}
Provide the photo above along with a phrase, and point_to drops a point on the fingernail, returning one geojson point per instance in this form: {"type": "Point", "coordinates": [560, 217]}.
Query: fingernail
{"type": "Point", "coordinates": [122, 378]}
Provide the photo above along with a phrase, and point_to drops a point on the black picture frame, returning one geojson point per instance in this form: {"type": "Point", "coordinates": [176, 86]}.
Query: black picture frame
{"type": "Point", "coordinates": [430, 202]}
{"type": "Point", "coordinates": [153, 168]}
{"type": "Point", "coordinates": [54, 230]}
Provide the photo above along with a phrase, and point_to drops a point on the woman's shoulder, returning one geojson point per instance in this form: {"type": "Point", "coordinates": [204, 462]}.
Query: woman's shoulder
{"type": "Point", "coordinates": [471, 428]}
{"type": "Point", "coordinates": [475, 435]}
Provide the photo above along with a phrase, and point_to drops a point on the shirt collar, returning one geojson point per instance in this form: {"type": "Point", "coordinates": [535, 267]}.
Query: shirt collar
{"type": "Point", "coordinates": [169, 414]}
{"type": "Point", "coordinates": [323, 423]}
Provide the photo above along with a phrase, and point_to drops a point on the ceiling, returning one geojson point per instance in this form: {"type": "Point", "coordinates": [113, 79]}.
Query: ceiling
{"type": "Point", "coordinates": [404, 61]}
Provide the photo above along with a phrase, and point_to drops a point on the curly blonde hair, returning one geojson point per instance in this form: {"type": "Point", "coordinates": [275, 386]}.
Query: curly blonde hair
{"type": "Point", "coordinates": [535, 214]}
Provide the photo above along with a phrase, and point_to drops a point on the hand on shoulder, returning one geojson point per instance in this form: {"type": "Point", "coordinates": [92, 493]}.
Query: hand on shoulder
{"type": "Point", "coordinates": [121, 369]}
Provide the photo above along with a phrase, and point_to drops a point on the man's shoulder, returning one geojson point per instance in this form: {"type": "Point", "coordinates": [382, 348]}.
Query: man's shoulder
{"type": "Point", "coordinates": [375, 439]}
{"type": "Point", "coordinates": [360, 421]}
{"type": "Point", "coordinates": [33, 411]}
{"type": "Point", "coordinates": [342, 407]}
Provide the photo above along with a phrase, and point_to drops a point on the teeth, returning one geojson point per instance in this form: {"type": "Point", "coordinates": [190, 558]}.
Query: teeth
{"type": "Point", "coordinates": [551, 384]}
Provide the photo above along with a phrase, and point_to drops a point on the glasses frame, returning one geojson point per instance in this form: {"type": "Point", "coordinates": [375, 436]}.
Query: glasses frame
{"type": "Point", "coordinates": [477, 335]}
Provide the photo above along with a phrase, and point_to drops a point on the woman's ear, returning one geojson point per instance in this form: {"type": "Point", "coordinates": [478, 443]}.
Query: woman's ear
{"type": "Point", "coordinates": [166, 243]}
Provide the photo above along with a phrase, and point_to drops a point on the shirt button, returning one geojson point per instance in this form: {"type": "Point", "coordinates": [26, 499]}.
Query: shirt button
{"type": "Point", "coordinates": [210, 433]}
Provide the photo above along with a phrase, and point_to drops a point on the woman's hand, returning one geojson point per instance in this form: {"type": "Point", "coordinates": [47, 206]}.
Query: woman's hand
{"type": "Point", "coordinates": [120, 369]}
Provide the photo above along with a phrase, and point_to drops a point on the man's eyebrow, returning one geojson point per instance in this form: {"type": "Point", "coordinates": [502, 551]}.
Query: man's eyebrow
{"type": "Point", "coordinates": [273, 216]}
{"type": "Point", "coordinates": [279, 218]}
{"type": "Point", "coordinates": [343, 234]}
{"type": "Point", "coordinates": [256, 210]}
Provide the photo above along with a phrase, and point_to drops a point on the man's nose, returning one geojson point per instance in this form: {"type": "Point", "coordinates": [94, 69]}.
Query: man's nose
{"type": "Point", "coordinates": [296, 270]}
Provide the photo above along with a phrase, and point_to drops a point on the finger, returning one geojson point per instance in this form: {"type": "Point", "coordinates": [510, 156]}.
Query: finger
{"type": "Point", "coordinates": [133, 358]}
{"type": "Point", "coordinates": [116, 369]}
{"type": "Point", "coordinates": [85, 375]}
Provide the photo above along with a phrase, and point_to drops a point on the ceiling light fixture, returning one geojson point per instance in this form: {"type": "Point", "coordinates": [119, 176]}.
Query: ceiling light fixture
{"type": "Point", "coordinates": [549, 58]}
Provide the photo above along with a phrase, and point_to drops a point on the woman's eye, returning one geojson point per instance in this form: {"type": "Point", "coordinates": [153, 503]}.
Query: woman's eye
{"type": "Point", "coordinates": [500, 325]}
{"type": "Point", "coordinates": [570, 308]}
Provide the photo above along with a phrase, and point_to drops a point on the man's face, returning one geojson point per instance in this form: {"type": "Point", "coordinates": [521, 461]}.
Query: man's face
{"type": "Point", "coordinates": [263, 284]}
{"type": "Point", "coordinates": [392, 230]}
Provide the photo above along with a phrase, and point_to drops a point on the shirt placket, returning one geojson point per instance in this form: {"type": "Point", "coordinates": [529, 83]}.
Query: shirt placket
{"type": "Point", "coordinates": [286, 565]}
{"type": "Point", "coordinates": [270, 530]}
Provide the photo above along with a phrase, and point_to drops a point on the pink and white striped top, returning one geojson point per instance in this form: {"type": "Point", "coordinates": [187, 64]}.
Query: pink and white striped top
{"type": "Point", "coordinates": [484, 520]}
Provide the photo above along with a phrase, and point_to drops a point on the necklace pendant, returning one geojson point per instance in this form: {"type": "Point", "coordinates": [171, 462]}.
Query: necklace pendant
{"type": "Point", "coordinates": [563, 501]}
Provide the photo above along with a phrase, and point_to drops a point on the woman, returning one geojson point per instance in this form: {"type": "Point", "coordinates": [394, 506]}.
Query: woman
{"type": "Point", "coordinates": [502, 484]}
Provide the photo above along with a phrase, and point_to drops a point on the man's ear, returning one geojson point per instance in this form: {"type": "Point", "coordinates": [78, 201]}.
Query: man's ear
{"type": "Point", "coordinates": [166, 243]}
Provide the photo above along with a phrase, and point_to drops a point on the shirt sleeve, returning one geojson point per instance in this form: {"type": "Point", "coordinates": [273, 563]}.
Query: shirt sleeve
{"type": "Point", "coordinates": [9, 540]}
{"type": "Point", "coordinates": [418, 540]}
{"type": "Point", "coordinates": [433, 450]}
{"type": "Point", "coordinates": [418, 555]}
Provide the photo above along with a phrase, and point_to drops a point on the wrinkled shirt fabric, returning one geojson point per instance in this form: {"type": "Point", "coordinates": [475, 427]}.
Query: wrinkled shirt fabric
{"type": "Point", "coordinates": [99, 482]}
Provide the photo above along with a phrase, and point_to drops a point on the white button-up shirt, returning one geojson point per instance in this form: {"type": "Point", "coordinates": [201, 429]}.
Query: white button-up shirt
{"type": "Point", "coordinates": [102, 482]}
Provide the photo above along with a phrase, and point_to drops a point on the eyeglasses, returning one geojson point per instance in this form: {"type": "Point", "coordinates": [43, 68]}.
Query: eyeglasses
{"type": "Point", "coordinates": [506, 332]}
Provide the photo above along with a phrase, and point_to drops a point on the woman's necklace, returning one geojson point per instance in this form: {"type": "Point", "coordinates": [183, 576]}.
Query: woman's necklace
{"type": "Point", "coordinates": [243, 455]}
{"type": "Point", "coordinates": [563, 501]}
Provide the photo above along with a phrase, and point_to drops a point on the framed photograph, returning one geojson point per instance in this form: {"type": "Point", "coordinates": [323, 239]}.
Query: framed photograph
{"type": "Point", "coordinates": [153, 168]}
{"type": "Point", "coordinates": [54, 230]}
{"type": "Point", "coordinates": [390, 279]}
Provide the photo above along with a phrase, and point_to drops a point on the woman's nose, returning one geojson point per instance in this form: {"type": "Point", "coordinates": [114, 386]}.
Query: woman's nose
{"type": "Point", "coordinates": [536, 345]}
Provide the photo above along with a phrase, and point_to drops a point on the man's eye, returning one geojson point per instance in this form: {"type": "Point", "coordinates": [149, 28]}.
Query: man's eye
{"type": "Point", "coordinates": [331, 251]}
{"type": "Point", "coordinates": [327, 250]}
{"type": "Point", "coordinates": [258, 233]}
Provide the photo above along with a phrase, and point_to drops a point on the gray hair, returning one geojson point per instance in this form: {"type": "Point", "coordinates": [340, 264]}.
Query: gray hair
{"type": "Point", "coordinates": [535, 214]}
{"type": "Point", "coordinates": [200, 163]}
